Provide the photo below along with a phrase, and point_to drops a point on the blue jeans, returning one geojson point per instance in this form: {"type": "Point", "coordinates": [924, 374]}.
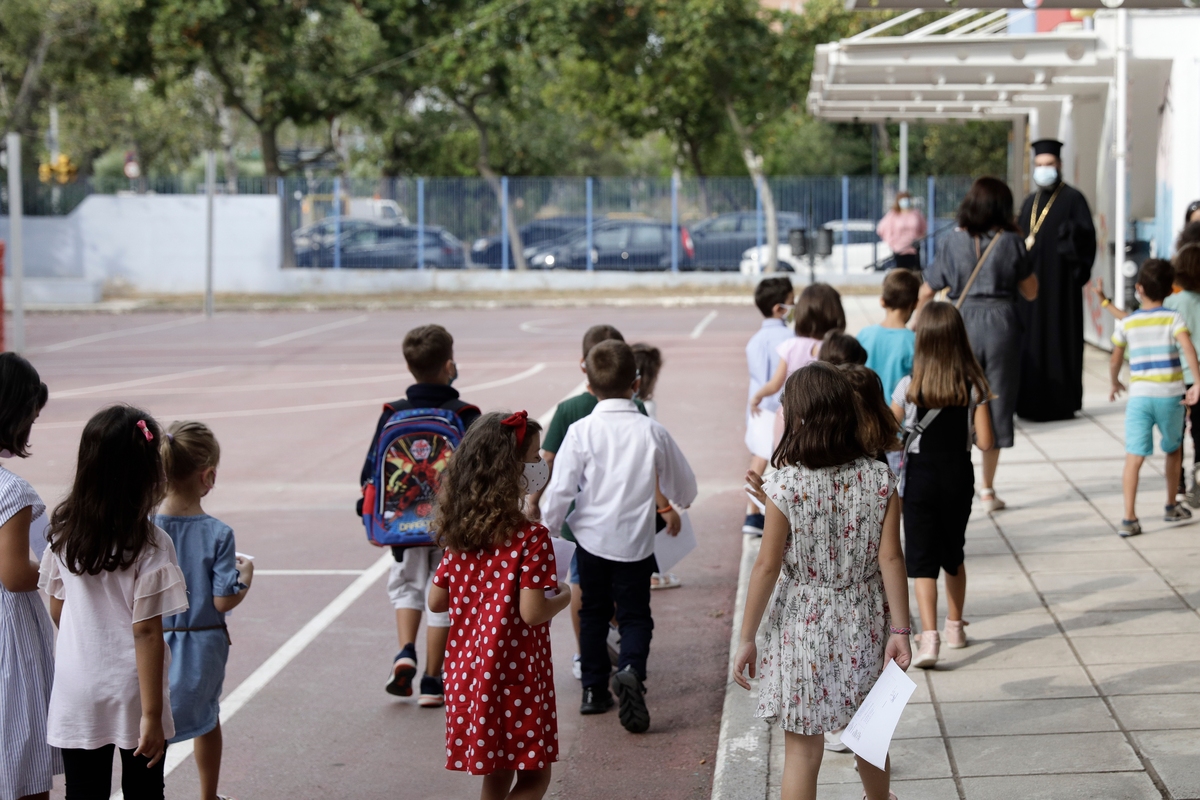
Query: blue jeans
{"type": "Point", "coordinates": [1144, 414]}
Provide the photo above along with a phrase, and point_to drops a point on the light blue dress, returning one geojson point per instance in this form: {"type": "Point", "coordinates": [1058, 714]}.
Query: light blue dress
{"type": "Point", "coordinates": [200, 643]}
{"type": "Point", "coordinates": [27, 764]}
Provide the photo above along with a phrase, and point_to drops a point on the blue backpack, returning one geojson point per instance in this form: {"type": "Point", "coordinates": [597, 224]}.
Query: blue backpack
{"type": "Point", "coordinates": [407, 459]}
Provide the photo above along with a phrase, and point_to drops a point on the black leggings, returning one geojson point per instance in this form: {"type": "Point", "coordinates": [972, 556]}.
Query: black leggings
{"type": "Point", "coordinates": [89, 775]}
{"type": "Point", "coordinates": [1193, 416]}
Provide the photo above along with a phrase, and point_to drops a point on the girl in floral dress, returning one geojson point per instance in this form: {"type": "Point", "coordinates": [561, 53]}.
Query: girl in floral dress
{"type": "Point", "coordinates": [501, 721]}
{"type": "Point", "coordinates": [833, 529]}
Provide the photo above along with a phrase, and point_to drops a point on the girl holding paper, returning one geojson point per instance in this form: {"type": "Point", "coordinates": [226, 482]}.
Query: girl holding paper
{"type": "Point", "coordinates": [833, 530]}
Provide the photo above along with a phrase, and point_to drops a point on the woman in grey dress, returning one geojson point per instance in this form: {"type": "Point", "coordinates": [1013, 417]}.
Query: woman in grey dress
{"type": "Point", "coordinates": [989, 309]}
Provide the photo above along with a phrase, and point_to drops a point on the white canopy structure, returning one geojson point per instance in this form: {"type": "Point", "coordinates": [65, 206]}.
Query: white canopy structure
{"type": "Point", "coordinates": [971, 64]}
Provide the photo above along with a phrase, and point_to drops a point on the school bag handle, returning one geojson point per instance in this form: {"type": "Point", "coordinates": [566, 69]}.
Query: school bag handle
{"type": "Point", "coordinates": [978, 265]}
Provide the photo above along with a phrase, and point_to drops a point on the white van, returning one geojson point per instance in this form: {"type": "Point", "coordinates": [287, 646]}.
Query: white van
{"type": "Point", "coordinates": [382, 210]}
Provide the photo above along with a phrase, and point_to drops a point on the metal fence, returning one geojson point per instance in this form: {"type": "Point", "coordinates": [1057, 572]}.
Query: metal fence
{"type": "Point", "coordinates": [697, 223]}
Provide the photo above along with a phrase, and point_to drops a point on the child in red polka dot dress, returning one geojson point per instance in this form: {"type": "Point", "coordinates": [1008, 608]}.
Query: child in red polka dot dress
{"type": "Point", "coordinates": [501, 720]}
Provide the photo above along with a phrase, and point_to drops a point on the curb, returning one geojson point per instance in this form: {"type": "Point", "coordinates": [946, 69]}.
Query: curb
{"type": "Point", "coordinates": [744, 745]}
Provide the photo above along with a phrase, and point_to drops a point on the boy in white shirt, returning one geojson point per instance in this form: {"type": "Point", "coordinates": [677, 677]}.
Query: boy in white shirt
{"type": "Point", "coordinates": [609, 464]}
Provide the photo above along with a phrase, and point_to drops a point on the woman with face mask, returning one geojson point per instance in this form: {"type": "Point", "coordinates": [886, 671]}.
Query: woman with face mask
{"type": "Point", "coordinates": [902, 229]}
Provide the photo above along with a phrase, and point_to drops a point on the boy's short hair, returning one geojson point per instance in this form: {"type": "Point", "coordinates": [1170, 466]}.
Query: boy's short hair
{"type": "Point", "coordinates": [1187, 267]}
{"type": "Point", "coordinates": [1156, 278]}
{"type": "Point", "coordinates": [1189, 235]}
{"type": "Point", "coordinates": [611, 369]}
{"type": "Point", "coordinates": [426, 350]}
{"type": "Point", "coordinates": [597, 334]}
{"type": "Point", "coordinates": [772, 292]}
{"type": "Point", "coordinates": [900, 289]}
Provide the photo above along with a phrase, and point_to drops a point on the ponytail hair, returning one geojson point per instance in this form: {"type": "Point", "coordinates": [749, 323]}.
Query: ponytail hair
{"type": "Point", "coordinates": [104, 523]}
{"type": "Point", "coordinates": [188, 448]}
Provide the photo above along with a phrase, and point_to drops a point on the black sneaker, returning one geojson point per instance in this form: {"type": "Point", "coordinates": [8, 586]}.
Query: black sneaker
{"type": "Point", "coordinates": [433, 692]}
{"type": "Point", "coordinates": [630, 691]}
{"type": "Point", "coordinates": [753, 524]}
{"type": "Point", "coordinates": [595, 701]}
{"type": "Point", "coordinates": [404, 668]}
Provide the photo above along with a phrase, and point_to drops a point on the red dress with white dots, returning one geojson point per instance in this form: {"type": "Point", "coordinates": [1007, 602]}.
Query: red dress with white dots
{"type": "Point", "coordinates": [500, 711]}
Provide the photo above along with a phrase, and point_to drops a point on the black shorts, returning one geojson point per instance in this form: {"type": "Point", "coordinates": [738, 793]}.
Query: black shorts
{"type": "Point", "coordinates": [938, 492]}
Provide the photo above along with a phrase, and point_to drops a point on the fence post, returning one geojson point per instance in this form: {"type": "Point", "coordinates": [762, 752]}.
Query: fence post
{"type": "Point", "coordinates": [337, 223]}
{"type": "Point", "coordinates": [504, 224]}
{"type": "Point", "coordinates": [758, 224]}
{"type": "Point", "coordinates": [16, 249]}
{"type": "Point", "coordinates": [845, 224]}
{"type": "Point", "coordinates": [674, 222]}
{"type": "Point", "coordinates": [210, 189]}
{"type": "Point", "coordinates": [931, 211]}
{"type": "Point", "coordinates": [420, 223]}
{"type": "Point", "coordinates": [590, 265]}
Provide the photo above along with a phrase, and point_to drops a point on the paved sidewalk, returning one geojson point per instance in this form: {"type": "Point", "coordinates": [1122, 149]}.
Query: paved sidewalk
{"type": "Point", "coordinates": [1082, 679]}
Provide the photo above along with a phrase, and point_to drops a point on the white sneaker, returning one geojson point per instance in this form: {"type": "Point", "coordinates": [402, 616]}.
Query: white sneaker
{"type": "Point", "coordinates": [991, 503]}
{"type": "Point", "coordinates": [577, 667]}
{"type": "Point", "coordinates": [833, 741]}
{"type": "Point", "coordinates": [927, 655]}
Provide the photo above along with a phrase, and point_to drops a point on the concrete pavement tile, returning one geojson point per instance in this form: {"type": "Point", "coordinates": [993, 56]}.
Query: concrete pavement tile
{"type": "Point", "coordinates": [1158, 711]}
{"type": "Point", "coordinates": [1169, 538]}
{"type": "Point", "coordinates": [1130, 623]}
{"type": "Point", "coordinates": [940, 789]}
{"type": "Point", "coordinates": [1191, 594]}
{"type": "Point", "coordinates": [1032, 683]}
{"type": "Point", "coordinates": [1173, 754]}
{"type": "Point", "coordinates": [1110, 786]}
{"type": "Point", "coordinates": [1003, 653]}
{"type": "Point", "coordinates": [1009, 717]}
{"type": "Point", "coordinates": [986, 546]}
{"type": "Point", "coordinates": [838, 768]}
{"type": "Point", "coordinates": [919, 721]}
{"type": "Point", "coordinates": [984, 603]}
{"type": "Point", "coordinates": [1128, 679]}
{"type": "Point", "coordinates": [919, 759]}
{"type": "Point", "coordinates": [993, 564]}
{"type": "Point", "coordinates": [1107, 561]}
{"type": "Point", "coordinates": [1116, 600]}
{"type": "Point", "coordinates": [1150, 649]}
{"type": "Point", "coordinates": [1101, 581]}
{"type": "Point", "coordinates": [1042, 754]}
{"type": "Point", "coordinates": [1091, 541]}
{"type": "Point", "coordinates": [1009, 582]}
{"type": "Point", "coordinates": [1033, 624]}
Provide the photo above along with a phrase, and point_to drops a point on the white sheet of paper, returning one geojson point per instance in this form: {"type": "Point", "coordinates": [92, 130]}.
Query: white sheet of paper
{"type": "Point", "coordinates": [37, 534]}
{"type": "Point", "coordinates": [563, 550]}
{"type": "Point", "coordinates": [869, 733]}
{"type": "Point", "coordinates": [670, 550]}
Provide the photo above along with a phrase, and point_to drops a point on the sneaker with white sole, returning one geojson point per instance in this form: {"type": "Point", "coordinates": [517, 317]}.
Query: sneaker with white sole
{"type": "Point", "coordinates": [1176, 513]}
{"type": "Point", "coordinates": [927, 654]}
{"type": "Point", "coordinates": [956, 637]}
{"type": "Point", "coordinates": [577, 667]}
{"type": "Point", "coordinates": [991, 503]}
{"type": "Point", "coordinates": [404, 669]}
{"type": "Point", "coordinates": [833, 741]}
{"type": "Point", "coordinates": [433, 692]}
{"type": "Point", "coordinates": [753, 524]}
{"type": "Point", "coordinates": [1129, 527]}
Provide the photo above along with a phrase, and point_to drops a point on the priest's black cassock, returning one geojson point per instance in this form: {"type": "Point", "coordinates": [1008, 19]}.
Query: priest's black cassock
{"type": "Point", "coordinates": [1051, 385]}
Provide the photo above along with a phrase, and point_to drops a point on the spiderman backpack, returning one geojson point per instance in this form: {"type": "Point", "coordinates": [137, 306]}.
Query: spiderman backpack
{"type": "Point", "coordinates": [409, 454]}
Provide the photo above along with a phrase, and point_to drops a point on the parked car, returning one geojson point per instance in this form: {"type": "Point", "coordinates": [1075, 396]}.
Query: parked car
{"type": "Point", "coordinates": [384, 210]}
{"type": "Point", "coordinates": [721, 240]}
{"type": "Point", "coordinates": [862, 245]}
{"type": "Point", "coordinates": [488, 251]}
{"type": "Point", "coordinates": [372, 245]}
{"type": "Point", "coordinates": [631, 244]}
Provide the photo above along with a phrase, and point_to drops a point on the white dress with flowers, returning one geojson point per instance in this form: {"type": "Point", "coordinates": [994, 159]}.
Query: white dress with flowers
{"type": "Point", "coordinates": [828, 623]}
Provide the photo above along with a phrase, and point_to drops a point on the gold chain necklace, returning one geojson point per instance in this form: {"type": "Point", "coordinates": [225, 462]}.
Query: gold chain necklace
{"type": "Point", "coordinates": [1034, 227]}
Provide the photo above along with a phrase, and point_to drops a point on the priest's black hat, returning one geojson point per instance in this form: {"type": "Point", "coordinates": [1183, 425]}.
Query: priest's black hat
{"type": "Point", "coordinates": [1051, 146]}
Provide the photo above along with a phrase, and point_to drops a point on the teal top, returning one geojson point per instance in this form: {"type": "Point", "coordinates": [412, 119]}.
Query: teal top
{"type": "Point", "coordinates": [889, 353]}
{"type": "Point", "coordinates": [1187, 305]}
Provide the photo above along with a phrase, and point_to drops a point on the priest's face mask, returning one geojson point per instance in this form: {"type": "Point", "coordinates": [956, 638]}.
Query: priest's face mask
{"type": "Point", "coordinates": [1046, 170]}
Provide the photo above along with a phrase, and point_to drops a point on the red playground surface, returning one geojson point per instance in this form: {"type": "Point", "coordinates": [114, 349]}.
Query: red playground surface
{"type": "Point", "coordinates": [293, 398]}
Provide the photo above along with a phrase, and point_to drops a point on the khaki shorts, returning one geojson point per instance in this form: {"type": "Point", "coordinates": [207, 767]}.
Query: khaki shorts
{"type": "Point", "coordinates": [409, 581]}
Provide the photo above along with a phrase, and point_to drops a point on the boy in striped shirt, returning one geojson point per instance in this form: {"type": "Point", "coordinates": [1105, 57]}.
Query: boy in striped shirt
{"type": "Point", "coordinates": [1154, 336]}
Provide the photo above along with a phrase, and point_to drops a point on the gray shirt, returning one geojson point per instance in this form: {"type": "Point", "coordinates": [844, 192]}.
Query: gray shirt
{"type": "Point", "coordinates": [1006, 266]}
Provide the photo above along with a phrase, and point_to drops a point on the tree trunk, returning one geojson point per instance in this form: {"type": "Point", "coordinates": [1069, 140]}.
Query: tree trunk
{"type": "Point", "coordinates": [22, 107]}
{"type": "Point", "coordinates": [885, 141]}
{"type": "Point", "coordinates": [701, 178]}
{"type": "Point", "coordinates": [489, 174]}
{"type": "Point", "coordinates": [754, 167]}
{"type": "Point", "coordinates": [268, 133]}
{"type": "Point", "coordinates": [231, 167]}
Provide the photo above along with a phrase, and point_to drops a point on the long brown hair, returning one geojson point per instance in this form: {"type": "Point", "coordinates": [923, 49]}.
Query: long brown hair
{"type": "Point", "coordinates": [945, 371]}
{"type": "Point", "coordinates": [479, 501]}
{"type": "Point", "coordinates": [819, 310]}
{"type": "Point", "coordinates": [820, 425]}
{"type": "Point", "coordinates": [877, 425]}
{"type": "Point", "coordinates": [104, 524]}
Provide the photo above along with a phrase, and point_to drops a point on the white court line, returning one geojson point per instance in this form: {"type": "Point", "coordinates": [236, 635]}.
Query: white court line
{"type": "Point", "coordinates": [101, 337]}
{"type": "Point", "coordinates": [266, 387]}
{"type": "Point", "coordinates": [702, 324]}
{"type": "Point", "coordinates": [328, 326]}
{"type": "Point", "coordinates": [275, 664]}
{"type": "Point", "coordinates": [262, 412]}
{"type": "Point", "coordinates": [139, 382]}
{"type": "Point", "coordinates": [545, 419]}
{"type": "Point", "coordinates": [306, 572]}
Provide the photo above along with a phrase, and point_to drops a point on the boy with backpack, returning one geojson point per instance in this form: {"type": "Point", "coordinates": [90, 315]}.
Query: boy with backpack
{"type": "Point", "coordinates": [611, 467]}
{"type": "Point", "coordinates": [413, 441]}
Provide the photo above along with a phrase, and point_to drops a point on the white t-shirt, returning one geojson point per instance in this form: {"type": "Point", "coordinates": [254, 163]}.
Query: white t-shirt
{"type": "Point", "coordinates": [96, 699]}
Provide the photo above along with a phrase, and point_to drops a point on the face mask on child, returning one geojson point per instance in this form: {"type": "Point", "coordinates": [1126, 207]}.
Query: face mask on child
{"type": "Point", "coordinates": [905, 204]}
{"type": "Point", "coordinates": [537, 475]}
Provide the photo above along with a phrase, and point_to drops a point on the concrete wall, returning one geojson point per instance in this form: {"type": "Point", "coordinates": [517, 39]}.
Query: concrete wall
{"type": "Point", "coordinates": [51, 246]}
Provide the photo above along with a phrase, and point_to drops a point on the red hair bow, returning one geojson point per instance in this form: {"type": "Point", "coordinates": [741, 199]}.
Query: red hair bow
{"type": "Point", "coordinates": [518, 422]}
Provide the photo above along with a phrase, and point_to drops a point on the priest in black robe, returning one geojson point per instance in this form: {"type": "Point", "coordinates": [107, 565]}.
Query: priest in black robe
{"type": "Point", "coordinates": [1061, 239]}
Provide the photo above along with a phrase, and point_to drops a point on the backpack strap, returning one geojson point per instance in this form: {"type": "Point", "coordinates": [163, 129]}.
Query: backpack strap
{"type": "Point", "coordinates": [916, 430]}
{"type": "Point", "coordinates": [460, 407]}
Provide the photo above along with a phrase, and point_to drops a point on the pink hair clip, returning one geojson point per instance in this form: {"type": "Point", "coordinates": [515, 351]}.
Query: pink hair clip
{"type": "Point", "coordinates": [141, 423]}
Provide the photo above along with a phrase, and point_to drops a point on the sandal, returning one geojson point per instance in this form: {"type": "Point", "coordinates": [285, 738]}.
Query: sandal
{"type": "Point", "coordinates": [665, 580]}
{"type": "Point", "coordinates": [991, 503]}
